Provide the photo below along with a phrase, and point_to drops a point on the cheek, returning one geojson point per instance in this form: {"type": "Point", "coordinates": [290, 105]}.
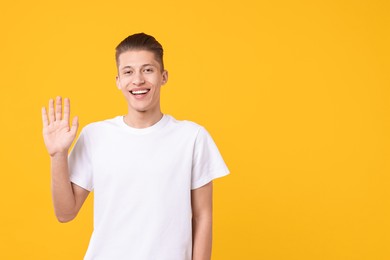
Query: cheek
{"type": "Point", "coordinates": [122, 83]}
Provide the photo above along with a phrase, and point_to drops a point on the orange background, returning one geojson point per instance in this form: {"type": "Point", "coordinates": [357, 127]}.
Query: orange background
{"type": "Point", "coordinates": [295, 94]}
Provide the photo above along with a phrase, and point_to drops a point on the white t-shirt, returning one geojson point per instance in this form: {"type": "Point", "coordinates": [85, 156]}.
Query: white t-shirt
{"type": "Point", "coordinates": [142, 181]}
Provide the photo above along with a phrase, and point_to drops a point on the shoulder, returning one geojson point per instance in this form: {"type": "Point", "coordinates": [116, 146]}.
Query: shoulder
{"type": "Point", "coordinates": [101, 125]}
{"type": "Point", "coordinates": [185, 125]}
{"type": "Point", "coordinates": [191, 130]}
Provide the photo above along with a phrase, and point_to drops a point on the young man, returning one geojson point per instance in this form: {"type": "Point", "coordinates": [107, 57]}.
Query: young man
{"type": "Point", "coordinates": [151, 174]}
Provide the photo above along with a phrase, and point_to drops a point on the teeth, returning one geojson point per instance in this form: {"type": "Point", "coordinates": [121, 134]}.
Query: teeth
{"type": "Point", "coordinates": [135, 92]}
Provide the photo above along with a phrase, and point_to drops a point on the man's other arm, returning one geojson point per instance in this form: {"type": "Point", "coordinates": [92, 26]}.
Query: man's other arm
{"type": "Point", "coordinates": [201, 200]}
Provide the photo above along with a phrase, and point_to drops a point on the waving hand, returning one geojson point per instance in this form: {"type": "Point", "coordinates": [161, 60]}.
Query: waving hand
{"type": "Point", "coordinates": [57, 134]}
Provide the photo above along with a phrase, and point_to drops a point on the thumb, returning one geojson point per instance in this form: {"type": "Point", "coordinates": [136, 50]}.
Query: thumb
{"type": "Point", "coordinates": [75, 125]}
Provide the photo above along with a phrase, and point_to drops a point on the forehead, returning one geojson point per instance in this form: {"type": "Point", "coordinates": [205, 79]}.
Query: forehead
{"type": "Point", "coordinates": [137, 58]}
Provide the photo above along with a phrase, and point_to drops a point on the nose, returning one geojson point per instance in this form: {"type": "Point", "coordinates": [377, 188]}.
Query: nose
{"type": "Point", "coordinates": [138, 79]}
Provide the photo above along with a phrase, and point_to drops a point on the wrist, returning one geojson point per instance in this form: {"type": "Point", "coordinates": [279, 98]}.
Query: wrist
{"type": "Point", "coordinates": [59, 155]}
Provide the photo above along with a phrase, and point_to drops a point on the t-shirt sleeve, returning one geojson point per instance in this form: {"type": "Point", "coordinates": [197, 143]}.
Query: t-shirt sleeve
{"type": "Point", "coordinates": [79, 161]}
{"type": "Point", "coordinates": [207, 161]}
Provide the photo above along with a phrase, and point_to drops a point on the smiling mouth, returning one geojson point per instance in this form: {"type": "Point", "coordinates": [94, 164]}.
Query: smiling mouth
{"type": "Point", "coordinates": [139, 92]}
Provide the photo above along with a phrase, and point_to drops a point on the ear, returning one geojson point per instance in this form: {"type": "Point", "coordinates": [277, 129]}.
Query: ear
{"type": "Point", "coordinates": [165, 77]}
{"type": "Point", "coordinates": [118, 83]}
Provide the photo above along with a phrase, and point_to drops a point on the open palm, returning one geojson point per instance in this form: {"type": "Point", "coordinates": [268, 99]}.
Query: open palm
{"type": "Point", "coordinates": [57, 134]}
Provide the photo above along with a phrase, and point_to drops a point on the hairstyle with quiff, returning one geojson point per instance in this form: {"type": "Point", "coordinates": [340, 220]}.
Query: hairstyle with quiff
{"type": "Point", "coordinates": [141, 42]}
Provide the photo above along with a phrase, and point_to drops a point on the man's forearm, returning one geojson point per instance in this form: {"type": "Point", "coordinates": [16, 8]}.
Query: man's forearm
{"type": "Point", "coordinates": [202, 238]}
{"type": "Point", "coordinates": [62, 192]}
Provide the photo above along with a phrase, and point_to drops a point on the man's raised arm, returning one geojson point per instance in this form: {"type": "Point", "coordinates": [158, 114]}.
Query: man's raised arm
{"type": "Point", "coordinates": [58, 137]}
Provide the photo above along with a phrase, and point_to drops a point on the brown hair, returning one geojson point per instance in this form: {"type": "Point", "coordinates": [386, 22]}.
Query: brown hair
{"type": "Point", "coordinates": [141, 41]}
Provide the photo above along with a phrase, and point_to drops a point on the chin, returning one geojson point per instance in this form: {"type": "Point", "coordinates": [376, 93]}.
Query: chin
{"type": "Point", "coordinates": [140, 110]}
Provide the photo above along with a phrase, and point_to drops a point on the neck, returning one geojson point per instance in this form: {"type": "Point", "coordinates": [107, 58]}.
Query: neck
{"type": "Point", "coordinates": [142, 119]}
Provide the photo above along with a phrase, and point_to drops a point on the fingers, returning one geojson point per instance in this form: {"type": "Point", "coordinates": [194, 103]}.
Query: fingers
{"type": "Point", "coordinates": [51, 110]}
{"type": "Point", "coordinates": [66, 109]}
{"type": "Point", "coordinates": [45, 120]}
{"type": "Point", "coordinates": [56, 114]}
{"type": "Point", "coordinates": [58, 108]}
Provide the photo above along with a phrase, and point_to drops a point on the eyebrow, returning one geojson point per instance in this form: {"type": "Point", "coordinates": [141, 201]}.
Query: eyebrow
{"type": "Point", "coordinates": [144, 65]}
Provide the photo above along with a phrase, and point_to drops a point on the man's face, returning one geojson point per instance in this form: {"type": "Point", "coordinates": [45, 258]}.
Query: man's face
{"type": "Point", "coordinates": [140, 79]}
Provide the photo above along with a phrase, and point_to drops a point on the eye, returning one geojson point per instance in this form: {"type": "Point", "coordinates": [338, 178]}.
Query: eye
{"type": "Point", "coordinates": [148, 70]}
{"type": "Point", "coordinates": [128, 72]}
